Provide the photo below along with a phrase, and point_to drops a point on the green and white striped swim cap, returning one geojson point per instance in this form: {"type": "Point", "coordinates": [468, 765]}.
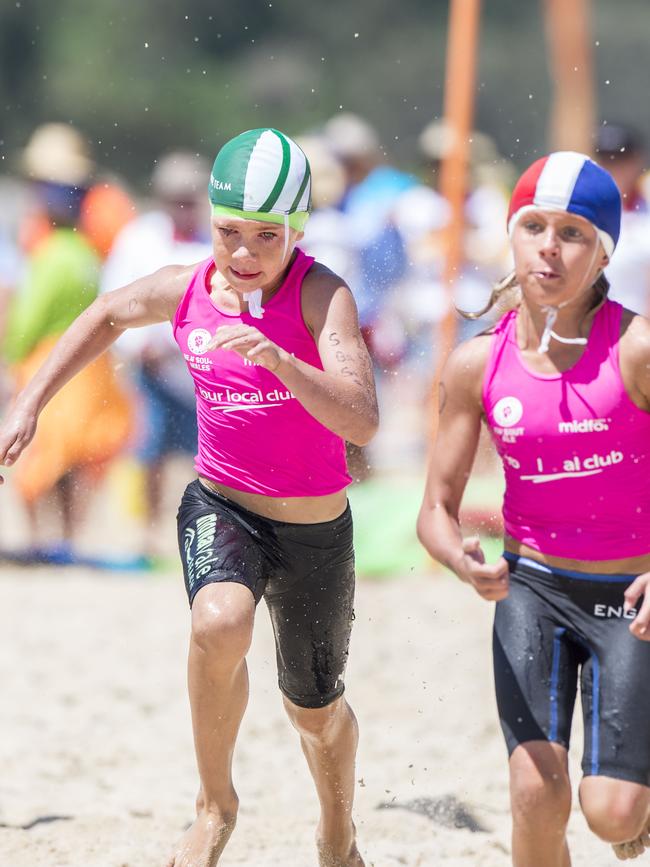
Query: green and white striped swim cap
{"type": "Point", "coordinates": [262, 175]}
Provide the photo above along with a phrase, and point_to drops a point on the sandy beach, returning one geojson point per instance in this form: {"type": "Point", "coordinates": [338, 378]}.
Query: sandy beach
{"type": "Point", "coordinates": [96, 750]}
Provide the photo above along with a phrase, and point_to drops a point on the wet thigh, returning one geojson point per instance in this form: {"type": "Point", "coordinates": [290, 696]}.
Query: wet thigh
{"type": "Point", "coordinates": [312, 612]}
{"type": "Point", "coordinates": [535, 669]}
{"type": "Point", "coordinates": [215, 547]}
{"type": "Point", "coordinates": [615, 702]}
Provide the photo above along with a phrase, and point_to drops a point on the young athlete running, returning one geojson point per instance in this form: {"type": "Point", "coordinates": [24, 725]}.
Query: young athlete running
{"type": "Point", "coordinates": [563, 383]}
{"type": "Point", "coordinates": [282, 379]}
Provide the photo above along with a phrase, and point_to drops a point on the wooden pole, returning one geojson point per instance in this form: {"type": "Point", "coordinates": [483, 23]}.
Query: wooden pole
{"type": "Point", "coordinates": [460, 75]}
{"type": "Point", "coordinates": [569, 48]}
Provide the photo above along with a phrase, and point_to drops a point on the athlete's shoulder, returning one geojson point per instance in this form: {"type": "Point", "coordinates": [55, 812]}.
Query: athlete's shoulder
{"type": "Point", "coordinates": [322, 289]}
{"type": "Point", "coordinates": [320, 278]}
{"type": "Point", "coordinates": [465, 367]}
{"type": "Point", "coordinates": [635, 338]}
{"type": "Point", "coordinates": [634, 357]}
{"type": "Point", "coordinates": [635, 331]}
{"type": "Point", "coordinates": [471, 355]}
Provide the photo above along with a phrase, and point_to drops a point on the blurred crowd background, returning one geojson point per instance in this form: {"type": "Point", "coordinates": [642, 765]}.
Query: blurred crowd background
{"type": "Point", "coordinates": [111, 118]}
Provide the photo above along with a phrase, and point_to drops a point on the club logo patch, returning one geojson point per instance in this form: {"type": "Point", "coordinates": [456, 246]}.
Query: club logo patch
{"type": "Point", "coordinates": [508, 411]}
{"type": "Point", "coordinates": [197, 341]}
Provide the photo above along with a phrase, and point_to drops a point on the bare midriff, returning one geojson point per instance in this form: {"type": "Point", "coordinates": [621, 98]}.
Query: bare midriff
{"type": "Point", "coordinates": [295, 510]}
{"type": "Point", "coordinates": [624, 566]}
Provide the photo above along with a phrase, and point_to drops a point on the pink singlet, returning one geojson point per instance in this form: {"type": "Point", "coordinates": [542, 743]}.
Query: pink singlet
{"type": "Point", "coordinates": [574, 448]}
{"type": "Point", "coordinates": [253, 434]}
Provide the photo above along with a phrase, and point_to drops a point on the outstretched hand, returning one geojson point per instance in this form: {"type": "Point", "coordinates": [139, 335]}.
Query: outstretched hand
{"type": "Point", "coordinates": [489, 580]}
{"type": "Point", "coordinates": [16, 433]}
{"type": "Point", "coordinates": [640, 626]}
{"type": "Point", "coordinates": [249, 342]}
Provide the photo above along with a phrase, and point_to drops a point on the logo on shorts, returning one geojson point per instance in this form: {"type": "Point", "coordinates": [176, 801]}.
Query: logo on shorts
{"type": "Point", "coordinates": [602, 610]}
{"type": "Point", "coordinates": [507, 411]}
{"type": "Point", "coordinates": [200, 558]}
{"type": "Point", "coordinates": [197, 341]}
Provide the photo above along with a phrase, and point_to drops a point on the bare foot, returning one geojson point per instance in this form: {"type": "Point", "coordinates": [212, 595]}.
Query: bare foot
{"type": "Point", "coordinates": [203, 843]}
{"type": "Point", "coordinates": [326, 858]}
{"type": "Point", "coordinates": [339, 853]}
{"type": "Point", "coordinates": [633, 848]}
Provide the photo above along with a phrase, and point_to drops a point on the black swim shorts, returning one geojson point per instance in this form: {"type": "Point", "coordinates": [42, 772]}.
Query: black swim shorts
{"type": "Point", "coordinates": [305, 572]}
{"type": "Point", "coordinates": [557, 628]}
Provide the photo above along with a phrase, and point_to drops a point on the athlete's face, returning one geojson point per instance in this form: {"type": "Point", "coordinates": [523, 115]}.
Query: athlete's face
{"type": "Point", "coordinates": [249, 253]}
{"type": "Point", "coordinates": [556, 255]}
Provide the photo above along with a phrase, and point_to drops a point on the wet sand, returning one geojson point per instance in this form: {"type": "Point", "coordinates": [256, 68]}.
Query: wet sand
{"type": "Point", "coordinates": [97, 768]}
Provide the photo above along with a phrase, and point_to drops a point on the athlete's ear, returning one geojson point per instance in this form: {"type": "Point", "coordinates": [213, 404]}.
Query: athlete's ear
{"type": "Point", "coordinates": [604, 259]}
{"type": "Point", "coordinates": [299, 237]}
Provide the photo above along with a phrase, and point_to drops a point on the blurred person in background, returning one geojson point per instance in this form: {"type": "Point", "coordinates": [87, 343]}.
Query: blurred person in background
{"type": "Point", "coordinates": [372, 187]}
{"type": "Point", "coordinates": [621, 150]}
{"type": "Point", "coordinates": [174, 231]}
{"type": "Point", "coordinates": [420, 301]}
{"type": "Point", "coordinates": [329, 239]}
{"type": "Point", "coordinates": [422, 216]}
{"type": "Point", "coordinates": [88, 422]}
{"type": "Point", "coordinates": [11, 264]}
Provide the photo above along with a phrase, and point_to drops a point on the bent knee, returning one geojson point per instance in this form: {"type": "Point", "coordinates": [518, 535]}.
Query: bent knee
{"type": "Point", "coordinates": [540, 789]}
{"type": "Point", "coordinates": [537, 798]}
{"type": "Point", "coordinates": [616, 813]}
{"type": "Point", "coordinates": [222, 624]}
{"type": "Point", "coordinates": [322, 723]}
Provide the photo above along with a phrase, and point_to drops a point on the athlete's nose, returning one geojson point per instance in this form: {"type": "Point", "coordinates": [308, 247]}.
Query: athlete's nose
{"type": "Point", "coordinates": [242, 253]}
{"type": "Point", "coordinates": [550, 242]}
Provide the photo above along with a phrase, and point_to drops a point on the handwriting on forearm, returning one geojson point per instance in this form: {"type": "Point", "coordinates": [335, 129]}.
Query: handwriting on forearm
{"type": "Point", "coordinates": [333, 338]}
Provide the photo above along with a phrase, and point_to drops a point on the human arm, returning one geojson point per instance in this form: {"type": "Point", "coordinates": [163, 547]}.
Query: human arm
{"type": "Point", "coordinates": [151, 299]}
{"type": "Point", "coordinates": [634, 358]}
{"type": "Point", "coordinates": [438, 525]}
{"type": "Point", "coordinates": [640, 587]}
{"type": "Point", "coordinates": [341, 396]}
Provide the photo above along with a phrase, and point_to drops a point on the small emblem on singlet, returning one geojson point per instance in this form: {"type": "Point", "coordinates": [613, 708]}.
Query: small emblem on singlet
{"type": "Point", "coordinates": [507, 411]}
{"type": "Point", "coordinates": [197, 341]}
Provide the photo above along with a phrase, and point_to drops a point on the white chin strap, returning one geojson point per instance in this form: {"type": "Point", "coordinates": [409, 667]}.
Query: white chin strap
{"type": "Point", "coordinates": [552, 312]}
{"type": "Point", "coordinates": [254, 298]}
{"type": "Point", "coordinates": [551, 316]}
{"type": "Point", "coordinates": [286, 236]}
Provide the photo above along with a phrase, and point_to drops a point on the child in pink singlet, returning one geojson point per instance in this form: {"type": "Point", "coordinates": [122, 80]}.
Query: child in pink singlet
{"type": "Point", "coordinates": [562, 384]}
{"type": "Point", "coordinates": [282, 379]}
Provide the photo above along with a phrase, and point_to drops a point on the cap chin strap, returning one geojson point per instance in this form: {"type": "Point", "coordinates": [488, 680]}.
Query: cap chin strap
{"type": "Point", "coordinates": [254, 298]}
{"type": "Point", "coordinates": [552, 312]}
{"type": "Point", "coordinates": [286, 237]}
{"type": "Point", "coordinates": [548, 333]}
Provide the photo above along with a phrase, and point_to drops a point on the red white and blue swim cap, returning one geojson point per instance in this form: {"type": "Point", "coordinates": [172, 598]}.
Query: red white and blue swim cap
{"type": "Point", "coordinates": [571, 182]}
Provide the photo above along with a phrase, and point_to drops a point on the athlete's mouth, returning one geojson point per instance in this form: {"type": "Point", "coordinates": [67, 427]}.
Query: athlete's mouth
{"type": "Point", "coordinates": [243, 276]}
{"type": "Point", "coordinates": [546, 275]}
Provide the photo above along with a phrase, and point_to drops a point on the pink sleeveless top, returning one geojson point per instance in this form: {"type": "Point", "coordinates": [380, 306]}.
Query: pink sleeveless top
{"type": "Point", "coordinates": [254, 435]}
{"type": "Point", "coordinates": [574, 448]}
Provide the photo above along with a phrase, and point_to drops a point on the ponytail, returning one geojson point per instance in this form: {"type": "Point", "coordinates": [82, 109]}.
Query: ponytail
{"type": "Point", "coordinates": [506, 295]}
